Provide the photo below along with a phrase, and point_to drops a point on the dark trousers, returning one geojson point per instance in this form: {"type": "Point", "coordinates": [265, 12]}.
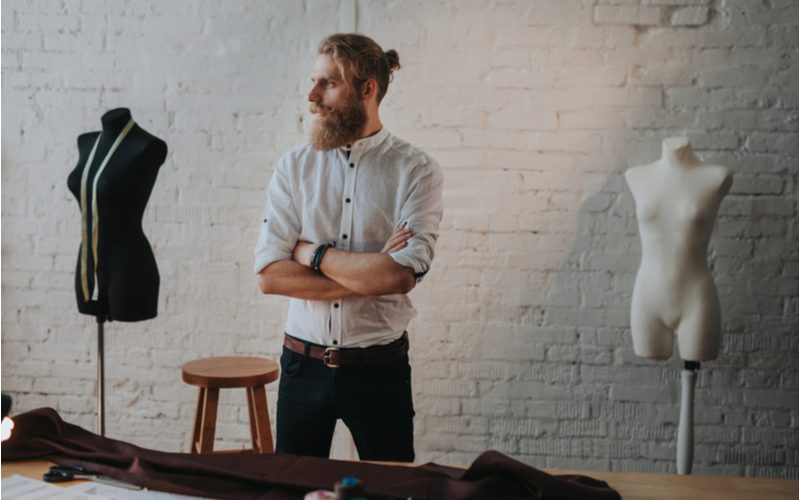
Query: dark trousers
{"type": "Point", "coordinates": [374, 401]}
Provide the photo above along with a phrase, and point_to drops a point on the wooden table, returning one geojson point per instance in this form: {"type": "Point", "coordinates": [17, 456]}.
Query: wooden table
{"type": "Point", "coordinates": [32, 469]}
{"type": "Point", "coordinates": [631, 485]}
{"type": "Point", "coordinates": [647, 486]}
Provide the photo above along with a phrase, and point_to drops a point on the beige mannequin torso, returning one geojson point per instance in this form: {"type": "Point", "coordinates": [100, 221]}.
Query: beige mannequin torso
{"type": "Point", "coordinates": [677, 200]}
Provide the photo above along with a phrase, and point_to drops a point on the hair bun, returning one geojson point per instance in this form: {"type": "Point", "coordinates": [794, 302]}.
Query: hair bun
{"type": "Point", "coordinates": [393, 58]}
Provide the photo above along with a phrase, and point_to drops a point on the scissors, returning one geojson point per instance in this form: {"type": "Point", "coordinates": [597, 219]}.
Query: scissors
{"type": "Point", "coordinates": [62, 473]}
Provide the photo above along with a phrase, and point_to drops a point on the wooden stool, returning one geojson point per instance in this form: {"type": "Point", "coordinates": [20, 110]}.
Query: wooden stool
{"type": "Point", "coordinates": [213, 374]}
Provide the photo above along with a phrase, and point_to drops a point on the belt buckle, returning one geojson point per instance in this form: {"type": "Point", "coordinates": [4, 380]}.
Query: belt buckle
{"type": "Point", "coordinates": [327, 357]}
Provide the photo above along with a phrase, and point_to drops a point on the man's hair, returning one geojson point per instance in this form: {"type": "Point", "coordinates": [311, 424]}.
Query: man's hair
{"type": "Point", "coordinates": [362, 58]}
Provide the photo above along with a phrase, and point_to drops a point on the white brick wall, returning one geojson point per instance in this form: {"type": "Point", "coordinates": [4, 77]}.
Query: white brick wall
{"type": "Point", "coordinates": [533, 108]}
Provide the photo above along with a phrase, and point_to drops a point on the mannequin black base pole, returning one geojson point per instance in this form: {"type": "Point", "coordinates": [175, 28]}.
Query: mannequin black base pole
{"type": "Point", "coordinates": [101, 418]}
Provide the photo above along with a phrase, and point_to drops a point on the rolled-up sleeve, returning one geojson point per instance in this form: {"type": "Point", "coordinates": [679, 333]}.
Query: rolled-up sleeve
{"type": "Point", "coordinates": [280, 225]}
{"type": "Point", "coordinates": [422, 211]}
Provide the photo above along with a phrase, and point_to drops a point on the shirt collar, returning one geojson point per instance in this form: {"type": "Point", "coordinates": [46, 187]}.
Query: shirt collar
{"type": "Point", "coordinates": [367, 143]}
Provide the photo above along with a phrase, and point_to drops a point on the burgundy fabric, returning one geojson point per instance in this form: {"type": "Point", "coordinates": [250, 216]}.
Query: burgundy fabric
{"type": "Point", "coordinates": [43, 434]}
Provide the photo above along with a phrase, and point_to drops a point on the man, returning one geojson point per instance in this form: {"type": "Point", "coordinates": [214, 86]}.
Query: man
{"type": "Point", "coordinates": [349, 229]}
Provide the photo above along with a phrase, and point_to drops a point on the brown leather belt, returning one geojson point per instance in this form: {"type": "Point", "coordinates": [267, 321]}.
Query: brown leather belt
{"type": "Point", "coordinates": [335, 356]}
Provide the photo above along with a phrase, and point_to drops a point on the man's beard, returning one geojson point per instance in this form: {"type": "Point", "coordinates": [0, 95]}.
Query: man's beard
{"type": "Point", "coordinates": [334, 128]}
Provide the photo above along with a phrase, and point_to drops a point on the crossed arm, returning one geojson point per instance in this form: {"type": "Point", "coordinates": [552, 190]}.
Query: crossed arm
{"type": "Point", "coordinates": [343, 273]}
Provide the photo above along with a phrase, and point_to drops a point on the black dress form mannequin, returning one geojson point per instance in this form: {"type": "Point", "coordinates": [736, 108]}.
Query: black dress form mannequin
{"type": "Point", "coordinates": [116, 276]}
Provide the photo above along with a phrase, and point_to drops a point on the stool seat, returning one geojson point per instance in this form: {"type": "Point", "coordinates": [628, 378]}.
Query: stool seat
{"type": "Point", "coordinates": [227, 372]}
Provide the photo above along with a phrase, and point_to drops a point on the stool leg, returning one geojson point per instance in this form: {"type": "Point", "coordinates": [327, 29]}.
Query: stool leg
{"type": "Point", "coordinates": [209, 423]}
{"type": "Point", "coordinates": [251, 410]}
{"type": "Point", "coordinates": [198, 420]}
{"type": "Point", "coordinates": [259, 420]}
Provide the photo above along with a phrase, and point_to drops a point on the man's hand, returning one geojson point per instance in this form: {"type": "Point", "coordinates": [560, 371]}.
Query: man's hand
{"type": "Point", "coordinates": [303, 253]}
{"type": "Point", "coordinates": [397, 240]}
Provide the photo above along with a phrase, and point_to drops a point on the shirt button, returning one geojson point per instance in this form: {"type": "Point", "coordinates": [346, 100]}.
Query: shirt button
{"type": "Point", "coordinates": [335, 342]}
{"type": "Point", "coordinates": [352, 165]}
{"type": "Point", "coordinates": [336, 306]}
{"type": "Point", "coordinates": [344, 236]}
{"type": "Point", "coordinates": [347, 200]}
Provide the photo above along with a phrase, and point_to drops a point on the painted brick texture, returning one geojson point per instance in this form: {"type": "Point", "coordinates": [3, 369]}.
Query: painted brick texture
{"type": "Point", "coordinates": [533, 108]}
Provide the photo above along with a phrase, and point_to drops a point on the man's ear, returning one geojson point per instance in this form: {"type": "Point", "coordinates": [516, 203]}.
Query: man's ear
{"type": "Point", "coordinates": [370, 88]}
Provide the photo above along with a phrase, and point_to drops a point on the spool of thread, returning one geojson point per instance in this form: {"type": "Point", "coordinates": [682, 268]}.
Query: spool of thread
{"type": "Point", "coordinates": [349, 488]}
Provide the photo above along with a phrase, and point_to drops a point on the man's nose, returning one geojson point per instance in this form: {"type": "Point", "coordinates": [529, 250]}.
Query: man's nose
{"type": "Point", "coordinates": [313, 96]}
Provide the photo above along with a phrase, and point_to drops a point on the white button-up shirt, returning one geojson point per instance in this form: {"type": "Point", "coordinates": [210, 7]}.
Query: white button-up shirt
{"type": "Point", "coordinates": [356, 202]}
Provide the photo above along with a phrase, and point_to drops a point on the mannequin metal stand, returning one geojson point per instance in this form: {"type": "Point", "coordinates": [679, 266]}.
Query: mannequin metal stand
{"type": "Point", "coordinates": [686, 423]}
{"type": "Point", "coordinates": [101, 421]}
